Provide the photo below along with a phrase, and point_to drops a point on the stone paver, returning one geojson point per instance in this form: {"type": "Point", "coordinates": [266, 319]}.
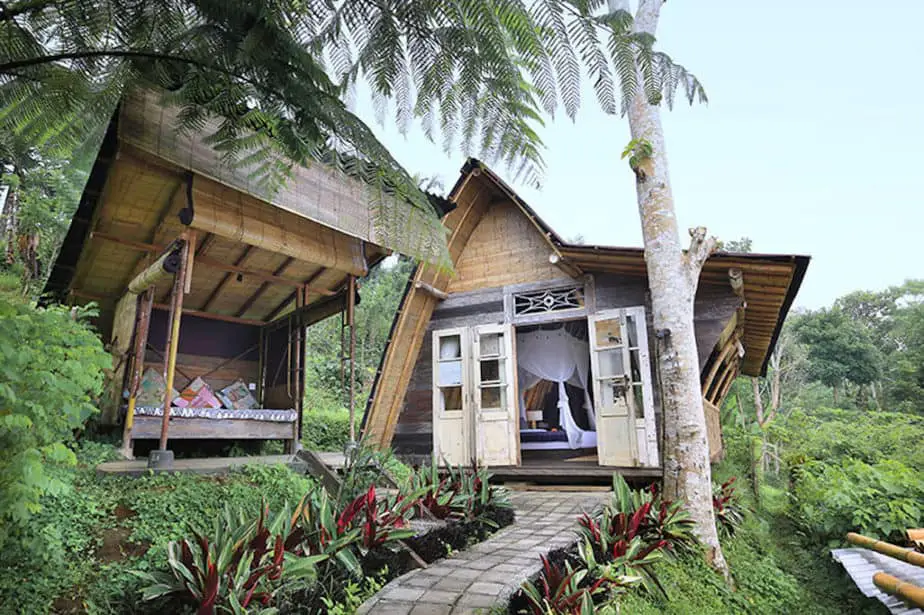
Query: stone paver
{"type": "Point", "coordinates": [472, 581]}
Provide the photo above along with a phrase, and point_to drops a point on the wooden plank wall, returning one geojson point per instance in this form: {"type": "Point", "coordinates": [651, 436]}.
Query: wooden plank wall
{"type": "Point", "coordinates": [413, 434]}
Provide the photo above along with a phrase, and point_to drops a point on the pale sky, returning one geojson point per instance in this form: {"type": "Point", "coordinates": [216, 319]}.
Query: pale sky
{"type": "Point", "coordinates": [811, 142]}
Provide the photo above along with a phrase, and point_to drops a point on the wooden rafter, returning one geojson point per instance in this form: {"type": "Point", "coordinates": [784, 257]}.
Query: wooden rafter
{"type": "Point", "coordinates": [308, 281]}
{"type": "Point", "coordinates": [214, 264]}
{"type": "Point", "coordinates": [257, 293]}
{"type": "Point", "coordinates": [239, 261]}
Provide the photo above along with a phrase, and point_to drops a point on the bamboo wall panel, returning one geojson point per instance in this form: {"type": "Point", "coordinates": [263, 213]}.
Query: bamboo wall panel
{"type": "Point", "coordinates": [505, 248]}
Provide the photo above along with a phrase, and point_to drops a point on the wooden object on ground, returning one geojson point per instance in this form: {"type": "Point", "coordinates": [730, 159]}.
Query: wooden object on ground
{"type": "Point", "coordinates": [916, 538]}
{"type": "Point", "coordinates": [896, 587]}
{"type": "Point", "coordinates": [173, 337]}
{"type": "Point", "coordinates": [320, 470]}
{"type": "Point", "coordinates": [909, 556]}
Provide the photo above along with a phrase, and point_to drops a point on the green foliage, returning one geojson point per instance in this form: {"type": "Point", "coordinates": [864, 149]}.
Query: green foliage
{"type": "Point", "coordinates": [325, 430]}
{"type": "Point", "coordinates": [637, 151]}
{"type": "Point", "coordinates": [276, 74]}
{"type": "Point", "coordinates": [848, 495]}
{"type": "Point", "coordinates": [839, 349]}
{"type": "Point", "coordinates": [43, 194]}
{"type": "Point", "coordinates": [51, 367]}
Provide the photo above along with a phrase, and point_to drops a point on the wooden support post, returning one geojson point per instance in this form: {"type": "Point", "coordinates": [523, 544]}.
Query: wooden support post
{"type": "Point", "coordinates": [173, 338]}
{"type": "Point", "coordinates": [351, 321]}
{"type": "Point", "coordinates": [143, 325]}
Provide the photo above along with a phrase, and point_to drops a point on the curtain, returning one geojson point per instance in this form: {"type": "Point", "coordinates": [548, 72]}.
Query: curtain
{"type": "Point", "coordinates": [559, 357]}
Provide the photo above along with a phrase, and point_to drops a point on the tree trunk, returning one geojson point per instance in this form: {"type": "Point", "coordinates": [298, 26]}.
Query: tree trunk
{"type": "Point", "coordinates": [835, 394]}
{"type": "Point", "coordinates": [672, 278]}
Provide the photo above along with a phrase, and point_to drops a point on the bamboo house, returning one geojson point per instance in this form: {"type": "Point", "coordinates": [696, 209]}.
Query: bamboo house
{"type": "Point", "coordinates": [537, 356]}
{"type": "Point", "coordinates": [205, 281]}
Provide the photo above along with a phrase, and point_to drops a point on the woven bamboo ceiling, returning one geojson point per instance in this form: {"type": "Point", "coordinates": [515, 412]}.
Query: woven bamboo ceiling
{"type": "Point", "coordinates": [137, 216]}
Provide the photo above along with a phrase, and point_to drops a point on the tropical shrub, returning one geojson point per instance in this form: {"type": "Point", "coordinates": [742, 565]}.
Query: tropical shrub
{"type": "Point", "coordinates": [881, 499]}
{"type": "Point", "coordinates": [727, 506]}
{"type": "Point", "coordinates": [559, 591]}
{"type": "Point", "coordinates": [51, 368]}
{"type": "Point", "coordinates": [325, 429]}
{"type": "Point", "coordinates": [241, 564]}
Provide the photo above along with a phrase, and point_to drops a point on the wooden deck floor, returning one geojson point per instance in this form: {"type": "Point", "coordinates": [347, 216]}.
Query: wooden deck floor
{"type": "Point", "coordinates": [571, 472]}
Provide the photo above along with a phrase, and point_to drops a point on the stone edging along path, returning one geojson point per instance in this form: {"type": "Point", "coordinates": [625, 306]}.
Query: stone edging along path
{"type": "Point", "coordinates": [488, 573]}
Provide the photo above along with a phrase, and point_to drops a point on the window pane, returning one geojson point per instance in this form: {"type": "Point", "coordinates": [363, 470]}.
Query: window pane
{"type": "Point", "coordinates": [451, 347]}
{"type": "Point", "coordinates": [492, 370]}
{"type": "Point", "coordinates": [450, 373]}
{"type": "Point", "coordinates": [493, 397]}
{"type": "Point", "coordinates": [608, 333]}
{"type": "Point", "coordinates": [490, 344]}
{"type": "Point", "coordinates": [632, 331]}
{"type": "Point", "coordinates": [639, 401]}
{"type": "Point", "coordinates": [452, 398]}
{"type": "Point", "coordinates": [611, 363]}
{"type": "Point", "coordinates": [635, 360]}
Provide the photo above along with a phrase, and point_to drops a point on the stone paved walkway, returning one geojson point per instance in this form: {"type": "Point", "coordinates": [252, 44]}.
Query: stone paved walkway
{"type": "Point", "coordinates": [473, 580]}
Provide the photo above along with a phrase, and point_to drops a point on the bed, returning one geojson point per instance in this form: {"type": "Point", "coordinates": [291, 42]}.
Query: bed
{"type": "Point", "coordinates": [545, 440]}
{"type": "Point", "coordinates": [217, 423]}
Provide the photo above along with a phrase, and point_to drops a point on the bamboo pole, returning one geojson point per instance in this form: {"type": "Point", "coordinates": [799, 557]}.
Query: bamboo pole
{"type": "Point", "coordinates": [351, 321]}
{"type": "Point", "coordinates": [909, 556]}
{"type": "Point", "coordinates": [906, 591]}
{"type": "Point", "coordinates": [173, 335]}
{"type": "Point", "coordinates": [143, 325]}
{"type": "Point", "coordinates": [165, 265]}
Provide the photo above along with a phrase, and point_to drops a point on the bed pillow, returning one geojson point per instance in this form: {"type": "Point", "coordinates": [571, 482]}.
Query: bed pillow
{"type": "Point", "coordinates": [152, 389]}
{"type": "Point", "coordinates": [236, 396]}
{"type": "Point", "coordinates": [197, 395]}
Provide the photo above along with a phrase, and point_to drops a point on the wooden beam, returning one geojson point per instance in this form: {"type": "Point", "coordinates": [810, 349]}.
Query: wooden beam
{"type": "Point", "coordinates": [259, 292]}
{"type": "Point", "coordinates": [214, 264]}
{"type": "Point", "coordinates": [430, 290]}
{"type": "Point", "coordinates": [226, 278]}
{"type": "Point", "coordinates": [308, 281]}
{"type": "Point", "coordinates": [209, 315]}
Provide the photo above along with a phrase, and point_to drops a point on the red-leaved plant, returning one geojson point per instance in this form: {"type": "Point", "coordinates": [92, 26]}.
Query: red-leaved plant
{"type": "Point", "coordinates": [240, 565]}
{"type": "Point", "coordinates": [726, 505]}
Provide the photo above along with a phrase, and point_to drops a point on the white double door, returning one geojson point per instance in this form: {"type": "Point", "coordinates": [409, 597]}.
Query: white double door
{"type": "Point", "coordinates": [475, 396]}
